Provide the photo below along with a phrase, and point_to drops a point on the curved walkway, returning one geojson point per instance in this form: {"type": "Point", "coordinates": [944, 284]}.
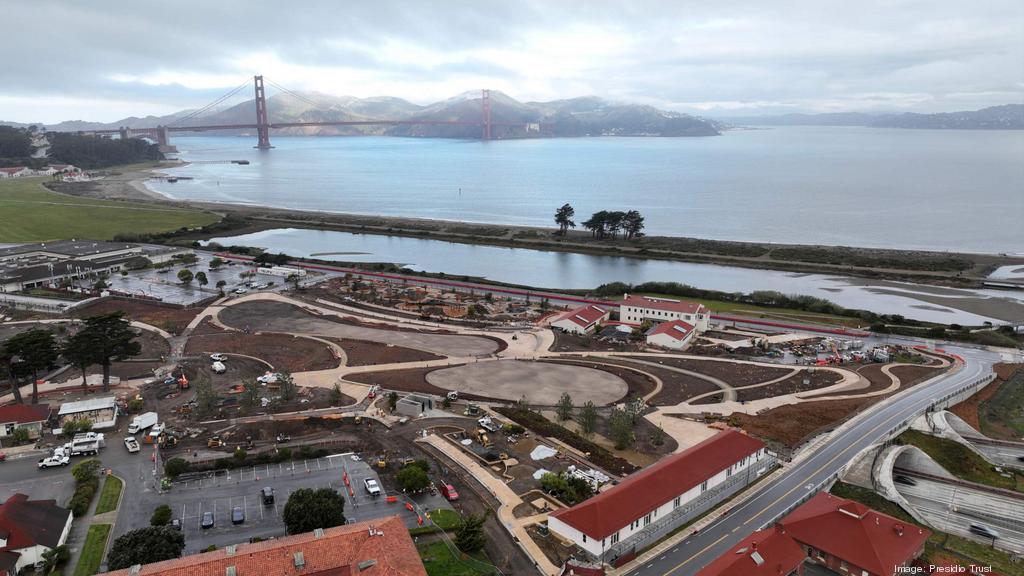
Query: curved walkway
{"type": "Point", "coordinates": [728, 391]}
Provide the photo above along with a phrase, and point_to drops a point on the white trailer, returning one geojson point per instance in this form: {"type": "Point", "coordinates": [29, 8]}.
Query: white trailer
{"type": "Point", "coordinates": [143, 421]}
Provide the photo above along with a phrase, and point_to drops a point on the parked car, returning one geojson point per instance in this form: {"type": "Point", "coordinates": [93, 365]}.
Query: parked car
{"type": "Point", "coordinates": [268, 496]}
{"type": "Point", "coordinates": [237, 515]}
{"type": "Point", "coordinates": [176, 524]}
{"type": "Point", "coordinates": [207, 521]}
{"type": "Point", "coordinates": [372, 488]}
{"type": "Point", "coordinates": [984, 531]}
{"type": "Point", "coordinates": [218, 357]}
{"type": "Point", "coordinates": [905, 480]}
{"type": "Point", "coordinates": [448, 491]}
{"type": "Point", "coordinates": [218, 368]}
{"type": "Point", "coordinates": [241, 291]}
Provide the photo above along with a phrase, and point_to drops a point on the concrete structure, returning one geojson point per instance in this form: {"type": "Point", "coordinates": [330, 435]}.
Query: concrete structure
{"type": "Point", "coordinates": [768, 552]}
{"type": "Point", "coordinates": [102, 412]}
{"type": "Point", "coordinates": [637, 309]}
{"type": "Point", "coordinates": [29, 417]}
{"type": "Point", "coordinates": [847, 537]}
{"type": "Point", "coordinates": [674, 335]}
{"type": "Point", "coordinates": [413, 405]}
{"type": "Point", "coordinates": [374, 548]}
{"type": "Point", "coordinates": [656, 500]}
{"type": "Point", "coordinates": [28, 528]}
{"type": "Point", "coordinates": [281, 271]}
{"type": "Point", "coordinates": [27, 266]}
{"type": "Point", "coordinates": [582, 320]}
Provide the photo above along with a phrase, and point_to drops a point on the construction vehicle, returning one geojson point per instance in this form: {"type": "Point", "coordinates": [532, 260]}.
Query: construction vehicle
{"type": "Point", "coordinates": [143, 421]}
{"type": "Point", "coordinates": [487, 424]}
{"type": "Point", "coordinates": [85, 444]}
{"type": "Point", "coordinates": [214, 442]}
{"type": "Point", "coordinates": [482, 438]}
{"type": "Point", "coordinates": [382, 461]}
{"type": "Point", "coordinates": [168, 440]}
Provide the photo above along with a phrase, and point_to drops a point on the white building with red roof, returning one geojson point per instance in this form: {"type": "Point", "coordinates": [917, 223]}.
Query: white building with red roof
{"type": "Point", "coordinates": [637, 309]}
{"type": "Point", "coordinates": [581, 320]}
{"type": "Point", "coordinates": [674, 335]}
{"type": "Point", "coordinates": [15, 172]}
{"type": "Point", "coordinates": [850, 538]}
{"type": "Point", "coordinates": [28, 528]}
{"type": "Point", "coordinates": [770, 552]}
{"type": "Point", "coordinates": [651, 503]}
{"type": "Point", "coordinates": [31, 417]}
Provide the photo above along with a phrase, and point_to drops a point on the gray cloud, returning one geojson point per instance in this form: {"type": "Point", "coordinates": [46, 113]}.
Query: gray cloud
{"type": "Point", "coordinates": [104, 60]}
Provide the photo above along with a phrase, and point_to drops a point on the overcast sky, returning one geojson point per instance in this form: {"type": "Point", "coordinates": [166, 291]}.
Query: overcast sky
{"type": "Point", "coordinates": [104, 60]}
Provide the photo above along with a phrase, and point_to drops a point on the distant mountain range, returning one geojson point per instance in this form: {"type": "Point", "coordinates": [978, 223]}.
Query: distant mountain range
{"type": "Point", "coordinates": [1006, 117]}
{"type": "Point", "coordinates": [588, 116]}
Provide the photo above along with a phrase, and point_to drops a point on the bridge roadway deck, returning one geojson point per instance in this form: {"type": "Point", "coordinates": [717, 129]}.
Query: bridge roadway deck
{"type": "Point", "coordinates": [803, 479]}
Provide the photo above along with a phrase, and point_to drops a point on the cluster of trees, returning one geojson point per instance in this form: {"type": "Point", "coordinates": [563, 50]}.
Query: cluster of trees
{"type": "Point", "coordinates": [15, 146]}
{"type": "Point", "coordinates": [413, 477]}
{"type": "Point", "coordinates": [603, 224]}
{"type": "Point", "coordinates": [90, 152]}
{"type": "Point", "coordinates": [102, 339]}
{"type": "Point", "coordinates": [568, 489]}
{"type": "Point", "coordinates": [145, 545]}
{"type": "Point", "coordinates": [621, 422]}
{"type": "Point", "coordinates": [87, 483]}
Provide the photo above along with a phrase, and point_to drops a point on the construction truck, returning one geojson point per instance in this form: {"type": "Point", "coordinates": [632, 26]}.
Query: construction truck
{"type": "Point", "coordinates": [482, 438]}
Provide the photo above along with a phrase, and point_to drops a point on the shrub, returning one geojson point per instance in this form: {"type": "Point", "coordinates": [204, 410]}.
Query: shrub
{"type": "Point", "coordinates": [161, 516]}
{"type": "Point", "coordinates": [176, 466]}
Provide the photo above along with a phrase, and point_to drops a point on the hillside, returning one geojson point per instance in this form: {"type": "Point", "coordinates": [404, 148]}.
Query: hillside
{"type": "Point", "coordinates": [1006, 117]}
{"type": "Point", "coordinates": [587, 116]}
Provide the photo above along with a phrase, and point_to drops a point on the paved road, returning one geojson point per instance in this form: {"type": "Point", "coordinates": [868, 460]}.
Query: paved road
{"type": "Point", "coordinates": [953, 508]}
{"type": "Point", "coordinates": [803, 479]}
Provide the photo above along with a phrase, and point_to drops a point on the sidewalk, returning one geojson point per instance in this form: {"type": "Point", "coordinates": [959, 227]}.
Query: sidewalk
{"type": "Point", "coordinates": [509, 500]}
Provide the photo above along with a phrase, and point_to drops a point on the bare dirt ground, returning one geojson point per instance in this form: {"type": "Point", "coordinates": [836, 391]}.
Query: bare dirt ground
{"type": "Point", "coordinates": [676, 387]}
{"type": "Point", "coordinates": [282, 317]}
{"type": "Point", "coordinates": [366, 353]}
{"type": "Point", "coordinates": [409, 380]}
{"type": "Point", "coordinates": [541, 383]}
{"type": "Point", "coordinates": [168, 318]}
{"type": "Point", "coordinates": [968, 409]}
{"type": "Point", "coordinates": [727, 336]}
{"type": "Point", "coordinates": [284, 352]}
{"type": "Point", "coordinates": [816, 380]}
{"type": "Point", "coordinates": [572, 343]}
{"type": "Point", "coordinates": [637, 384]}
{"type": "Point", "coordinates": [788, 426]}
{"type": "Point", "coordinates": [734, 373]}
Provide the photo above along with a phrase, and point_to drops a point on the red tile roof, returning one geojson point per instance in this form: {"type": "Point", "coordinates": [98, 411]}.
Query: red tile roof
{"type": "Point", "coordinates": [339, 552]}
{"type": "Point", "coordinates": [26, 523]}
{"type": "Point", "coordinates": [584, 317]}
{"type": "Point", "coordinates": [855, 533]}
{"type": "Point", "coordinates": [24, 413]}
{"type": "Point", "coordinates": [639, 494]}
{"type": "Point", "coordinates": [770, 552]}
{"type": "Point", "coordinates": [12, 170]}
{"type": "Point", "coordinates": [676, 329]}
{"type": "Point", "coordinates": [684, 306]}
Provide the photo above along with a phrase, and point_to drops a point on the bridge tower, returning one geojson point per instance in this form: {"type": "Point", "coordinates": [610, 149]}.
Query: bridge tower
{"type": "Point", "coordinates": [485, 102]}
{"type": "Point", "coordinates": [262, 124]}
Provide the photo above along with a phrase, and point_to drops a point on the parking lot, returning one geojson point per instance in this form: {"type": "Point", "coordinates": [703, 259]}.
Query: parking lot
{"type": "Point", "coordinates": [220, 494]}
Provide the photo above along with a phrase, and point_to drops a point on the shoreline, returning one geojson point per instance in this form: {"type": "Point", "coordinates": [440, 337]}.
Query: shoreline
{"type": "Point", "coordinates": [957, 270]}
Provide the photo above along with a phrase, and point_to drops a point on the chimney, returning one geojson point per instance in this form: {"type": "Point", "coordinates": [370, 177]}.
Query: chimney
{"type": "Point", "coordinates": [318, 533]}
{"type": "Point", "coordinates": [366, 565]}
{"type": "Point", "coordinates": [134, 570]}
{"type": "Point", "coordinates": [898, 528]}
{"type": "Point", "coordinates": [229, 550]}
{"type": "Point", "coordinates": [299, 559]}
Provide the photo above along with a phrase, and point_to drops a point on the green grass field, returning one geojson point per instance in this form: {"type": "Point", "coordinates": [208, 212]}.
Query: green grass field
{"type": "Point", "coordinates": [439, 560]}
{"type": "Point", "coordinates": [109, 495]}
{"type": "Point", "coordinates": [1002, 415]}
{"type": "Point", "coordinates": [31, 213]}
{"type": "Point", "coordinates": [960, 461]}
{"type": "Point", "coordinates": [92, 550]}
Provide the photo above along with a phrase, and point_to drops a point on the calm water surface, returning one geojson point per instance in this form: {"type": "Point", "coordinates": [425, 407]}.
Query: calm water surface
{"type": "Point", "coordinates": [546, 269]}
{"type": "Point", "coordinates": [945, 190]}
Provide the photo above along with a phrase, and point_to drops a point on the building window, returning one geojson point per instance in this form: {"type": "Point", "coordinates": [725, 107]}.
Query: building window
{"type": "Point", "coordinates": [584, 538]}
{"type": "Point", "coordinates": [843, 566]}
{"type": "Point", "coordinates": [647, 520]}
{"type": "Point", "coordinates": [728, 472]}
{"type": "Point", "coordinates": [615, 538]}
{"type": "Point", "coordinates": [677, 502]}
{"type": "Point", "coordinates": [704, 486]}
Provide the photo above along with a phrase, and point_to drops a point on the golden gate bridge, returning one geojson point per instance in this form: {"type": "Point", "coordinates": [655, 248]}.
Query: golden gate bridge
{"type": "Point", "coordinates": [263, 126]}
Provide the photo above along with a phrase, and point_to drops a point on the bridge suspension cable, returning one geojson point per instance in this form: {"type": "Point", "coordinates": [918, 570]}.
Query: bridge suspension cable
{"type": "Point", "coordinates": [305, 99]}
{"type": "Point", "coordinates": [208, 107]}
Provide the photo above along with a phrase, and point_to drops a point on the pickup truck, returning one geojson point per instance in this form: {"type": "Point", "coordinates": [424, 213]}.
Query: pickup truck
{"type": "Point", "coordinates": [59, 458]}
{"type": "Point", "coordinates": [487, 424]}
{"type": "Point", "coordinates": [131, 444]}
{"type": "Point", "coordinates": [372, 488]}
